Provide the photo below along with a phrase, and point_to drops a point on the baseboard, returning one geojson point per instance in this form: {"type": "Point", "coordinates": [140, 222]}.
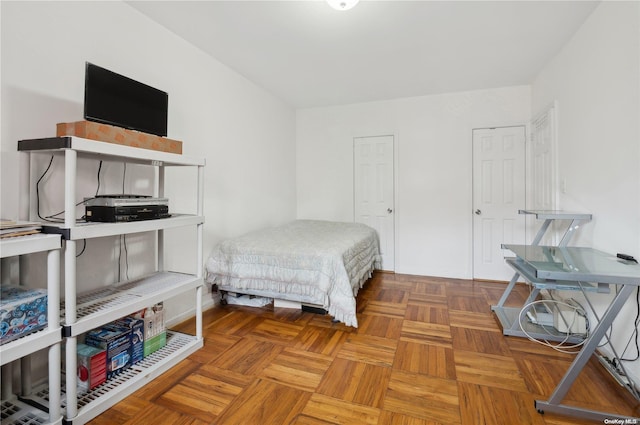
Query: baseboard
{"type": "Point", "coordinates": [207, 304]}
{"type": "Point", "coordinates": [631, 376]}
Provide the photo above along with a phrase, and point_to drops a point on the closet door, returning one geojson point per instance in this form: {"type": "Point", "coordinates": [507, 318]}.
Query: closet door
{"type": "Point", "coordinates": [498, 195]}
{"type": "Point", "coordinates": [374, 191]}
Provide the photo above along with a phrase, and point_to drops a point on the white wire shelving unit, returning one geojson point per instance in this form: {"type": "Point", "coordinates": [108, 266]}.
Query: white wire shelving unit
{"type": "Point", "coordinates": [86, 310]}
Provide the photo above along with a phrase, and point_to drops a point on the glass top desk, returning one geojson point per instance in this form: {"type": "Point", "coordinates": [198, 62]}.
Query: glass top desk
{"type": "Point", "coordinates": [549, 216]}
{"type": "Point", "coordinates": [509, 317]}
{"type": "Point", "coordinates": [556, 268]}
{"type": "Point", "coordinates": [552, 264]}
{"type": "Point", "coordinates": [571, 263]}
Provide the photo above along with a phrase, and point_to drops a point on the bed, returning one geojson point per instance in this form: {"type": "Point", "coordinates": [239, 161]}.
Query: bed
{"type": "Point", "coordinates": [318, 263]}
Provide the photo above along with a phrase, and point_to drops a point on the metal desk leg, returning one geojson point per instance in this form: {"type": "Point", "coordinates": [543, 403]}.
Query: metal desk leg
{"type": "Point", "coordinates": [514, 279]}
{"type": "Point", "coordinates": [507, 291]}
{"type": "Point", "coordinates": [553, 404]}
{"type": "Point", "coordinates": [541, 231]}
{"type": "Point", "coordinates": [569, 232]}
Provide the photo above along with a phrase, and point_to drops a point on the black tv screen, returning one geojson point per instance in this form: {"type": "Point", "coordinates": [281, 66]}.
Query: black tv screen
{"type": "Point", "coordinates": [114, 99]}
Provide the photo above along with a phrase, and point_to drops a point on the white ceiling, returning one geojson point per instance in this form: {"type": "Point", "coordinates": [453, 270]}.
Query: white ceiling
{"type": "Point", "coordinates": [310, 55]}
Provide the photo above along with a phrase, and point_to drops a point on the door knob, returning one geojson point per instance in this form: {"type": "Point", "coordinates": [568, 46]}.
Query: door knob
{"type": "Point", "coordinates": [478, 212]}
{"type": "Point", "coordinates": [389, 210]}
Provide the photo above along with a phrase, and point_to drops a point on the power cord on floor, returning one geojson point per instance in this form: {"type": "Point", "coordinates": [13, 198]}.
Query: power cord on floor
{"type": "Point", "coordinates": [562, 345]}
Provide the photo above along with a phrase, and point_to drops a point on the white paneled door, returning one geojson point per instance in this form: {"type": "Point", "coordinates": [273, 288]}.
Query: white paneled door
{"type": "Point", "coordinates": [373, 182]}
{"type": "Point", "coordinates": [498, 194]}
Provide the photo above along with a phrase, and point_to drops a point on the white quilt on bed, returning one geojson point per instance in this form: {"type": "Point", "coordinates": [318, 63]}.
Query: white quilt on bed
{"type": "Point", "coordinates": [326, 260]}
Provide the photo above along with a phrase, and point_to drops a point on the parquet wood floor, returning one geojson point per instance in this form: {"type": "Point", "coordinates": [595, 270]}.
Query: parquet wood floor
{"type": "Point", "coordinates": [427, 352]}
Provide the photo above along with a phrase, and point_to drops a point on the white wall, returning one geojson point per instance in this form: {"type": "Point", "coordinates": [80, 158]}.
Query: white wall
{"type": "Point", "coordinates": [433, 168]}
{"type": "Point", "coordinates": [596, 81]}
{"type": "Point", "coordinates": [245, 134]}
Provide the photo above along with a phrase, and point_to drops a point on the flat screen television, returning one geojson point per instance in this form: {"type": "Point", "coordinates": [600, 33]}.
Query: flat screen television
{"type": "Point", "coordinates": [114, 99]}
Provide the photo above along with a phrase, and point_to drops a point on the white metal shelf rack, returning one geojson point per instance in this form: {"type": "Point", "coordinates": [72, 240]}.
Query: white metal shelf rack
{"type": "Point", "coordinates": [13, 410]}
{"type": "Point", "coordinates": [86, 311]}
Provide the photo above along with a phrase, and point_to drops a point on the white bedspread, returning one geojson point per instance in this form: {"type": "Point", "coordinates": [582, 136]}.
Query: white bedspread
{"type": "Point", "coordinates": [326, 260]}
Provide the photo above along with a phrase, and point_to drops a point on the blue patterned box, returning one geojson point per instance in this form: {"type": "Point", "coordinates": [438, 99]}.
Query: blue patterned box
{"type": "Point", "coordinates": [22, 311]}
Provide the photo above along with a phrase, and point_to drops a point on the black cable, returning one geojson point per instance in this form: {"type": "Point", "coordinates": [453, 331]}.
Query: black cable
{"type": "Point", "coordinates": [83, 248]}
{"type": "Point", "coordinates": [53, 216]}
{"type": "Point", "coordinates": [126, 258]}
{"type": "Point", "coordinates": [99, 168]}
{"type": "Point", "coordinates": [123, 241]}
{"type": "Point", "coordinates": [635, 331]}
{"type": "Point", "coordinates": [38, 190]}
{"type": "Point", "coordinates": [120, 258]}
{"type": "Point", "coordinates": [78, 204]}
{"type": "Point", "coordinates": [124, 173]}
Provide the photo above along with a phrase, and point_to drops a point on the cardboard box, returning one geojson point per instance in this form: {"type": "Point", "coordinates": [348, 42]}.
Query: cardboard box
{"type": "Point", "coordinates": [155, 335]}
{"type": "Point", "coordinates": [117, 343]}
{"type": "Point", "coordinates": [92, 367]}
{"type": "Point", "coordinates": [22, 311]}
{"type": "Point", "coordinates": [118, 135]}
{"type": "Point", "coordinates": [137, 336]}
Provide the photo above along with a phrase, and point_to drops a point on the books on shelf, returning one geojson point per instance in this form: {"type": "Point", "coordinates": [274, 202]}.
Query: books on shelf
{"type": "Point", "coordinates": [13, 228]}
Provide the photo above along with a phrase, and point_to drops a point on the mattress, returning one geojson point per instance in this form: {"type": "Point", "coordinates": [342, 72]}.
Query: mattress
{"type": "Point", "coordinates": [324, 261]}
